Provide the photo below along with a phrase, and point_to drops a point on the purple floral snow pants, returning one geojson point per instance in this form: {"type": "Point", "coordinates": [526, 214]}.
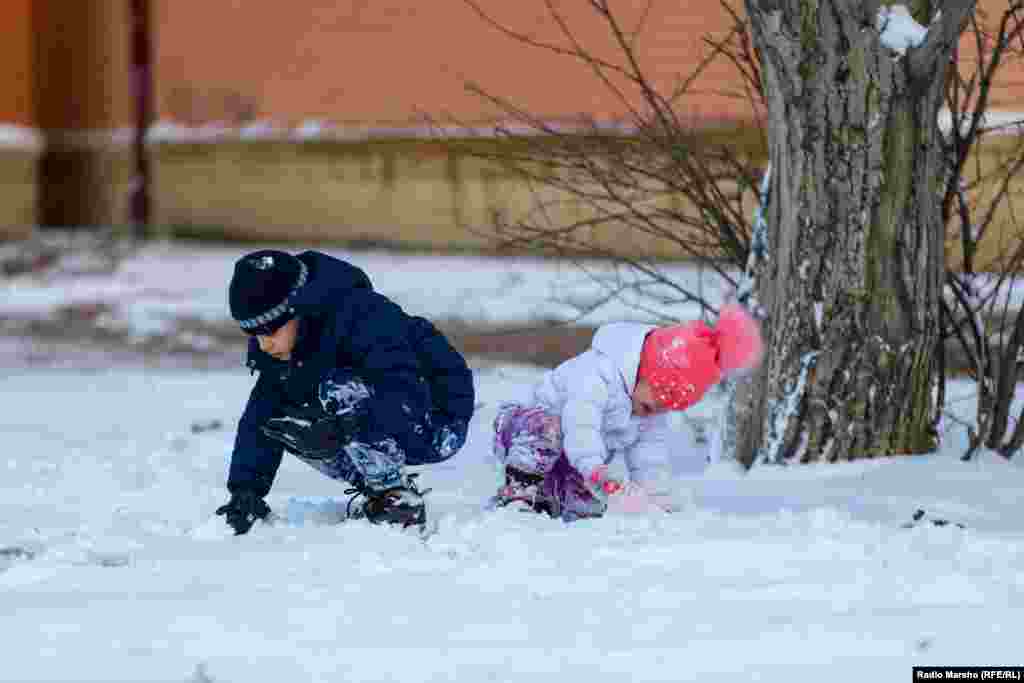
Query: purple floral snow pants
{"type": "Point", "coordinates": [529, 439]}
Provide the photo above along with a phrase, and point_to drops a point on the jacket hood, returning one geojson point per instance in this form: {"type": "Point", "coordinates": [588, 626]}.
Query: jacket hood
{"type": "Point", "coordinates": [622, 343]}
{"type": "Point", "coordinates": [330, 280]}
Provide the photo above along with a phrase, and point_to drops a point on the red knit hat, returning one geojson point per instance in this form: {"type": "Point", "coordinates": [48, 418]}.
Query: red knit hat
{"type": "Point", "coordinates": [683, 361]}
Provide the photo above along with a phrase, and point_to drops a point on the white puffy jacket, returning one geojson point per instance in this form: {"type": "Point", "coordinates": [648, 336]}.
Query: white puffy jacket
{"type": "Point", "coordinates": [592, 394]}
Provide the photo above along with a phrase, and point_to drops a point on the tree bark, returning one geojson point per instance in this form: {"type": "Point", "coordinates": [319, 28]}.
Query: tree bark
{"type": "Point", "coordinates": [850, 283]}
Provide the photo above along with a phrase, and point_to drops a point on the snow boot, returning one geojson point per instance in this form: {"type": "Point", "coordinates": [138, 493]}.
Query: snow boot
{"type": "Point", "coordinates": [525, 490]}
{"type": "Point", "coordinates": [402, 504]}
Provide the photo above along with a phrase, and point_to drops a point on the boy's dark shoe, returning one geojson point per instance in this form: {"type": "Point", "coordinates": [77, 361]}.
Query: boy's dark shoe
{"type": "Point", "coordinates": [402, 504]}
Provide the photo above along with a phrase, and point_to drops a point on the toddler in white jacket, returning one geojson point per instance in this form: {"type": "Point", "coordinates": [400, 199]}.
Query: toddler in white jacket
{"type": "Point", "coordinates": [614, 399]}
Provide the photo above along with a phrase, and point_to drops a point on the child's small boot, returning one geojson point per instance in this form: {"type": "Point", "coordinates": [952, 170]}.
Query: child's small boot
{"type": "Point", "coordinates": [526, 490]}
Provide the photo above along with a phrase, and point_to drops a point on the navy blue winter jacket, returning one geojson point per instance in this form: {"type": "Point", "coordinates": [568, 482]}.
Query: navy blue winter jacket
{"type": "Point", "coordinates": [344, 323]}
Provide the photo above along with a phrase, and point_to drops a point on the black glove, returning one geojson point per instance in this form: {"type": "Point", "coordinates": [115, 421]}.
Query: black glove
{"type": "Point", "coordinates": [311, 432]}
{"type": "Point", "coordinates": [242, 511]}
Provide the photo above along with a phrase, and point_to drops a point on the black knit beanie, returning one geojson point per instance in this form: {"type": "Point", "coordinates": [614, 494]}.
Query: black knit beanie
{"type": "Point", "coordinates": [261, 290]}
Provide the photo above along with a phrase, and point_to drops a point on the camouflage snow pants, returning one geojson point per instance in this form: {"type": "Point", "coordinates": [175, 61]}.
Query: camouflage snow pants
{"type": "Point", "coordinates": [377, 465]}
{"type": "Point", "coordinates": [529, 439]}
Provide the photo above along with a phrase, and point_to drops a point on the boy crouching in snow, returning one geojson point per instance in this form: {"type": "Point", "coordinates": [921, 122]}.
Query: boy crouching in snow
{"type": "Point", "coordinates": [348, 382]}
{"type": "Point", "coordinates": [614, 399]}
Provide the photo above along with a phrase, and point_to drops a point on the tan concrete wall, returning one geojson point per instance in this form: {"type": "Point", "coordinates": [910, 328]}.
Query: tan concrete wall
{"type": "Point", "coordinates": [413, 192]}
{"type": "Point", "coordinates": [17, 192]}
{"type": "Point", "coordinates": [1006, 234]}
{"type": "Point", "coordinates": [389, 191]}
{"type": "Point", "coordinates": [365, 191]}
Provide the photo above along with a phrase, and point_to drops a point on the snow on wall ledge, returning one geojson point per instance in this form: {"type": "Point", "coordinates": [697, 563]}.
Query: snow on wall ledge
{"type": "Point", "coordinates": [19, 137]}
{"type": "Point", "coordinates": [171, 132]}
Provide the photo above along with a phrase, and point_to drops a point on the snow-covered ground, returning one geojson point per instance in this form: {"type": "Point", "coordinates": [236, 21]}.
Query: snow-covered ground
{"type": "Point", "coordinates": [165, 280]}
{"type": "Point", "coordinates": [114, 568]}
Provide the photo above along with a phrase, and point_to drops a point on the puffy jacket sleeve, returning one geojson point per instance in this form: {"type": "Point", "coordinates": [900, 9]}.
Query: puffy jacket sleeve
{"type": "Point", "coordinates": [450, 379]}
{"type": "Point", "coordinates": [374, 330]}
{"type": "Point", "coordinates": [255, 458]}
{"type": "Point", "coordinates": [583, 415]}
{"type": "Point", "coordinates": [647, 460]}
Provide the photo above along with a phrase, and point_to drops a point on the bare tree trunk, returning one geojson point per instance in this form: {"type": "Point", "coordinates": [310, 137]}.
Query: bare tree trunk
{"type": "Point", "coordinates": [850, 283]}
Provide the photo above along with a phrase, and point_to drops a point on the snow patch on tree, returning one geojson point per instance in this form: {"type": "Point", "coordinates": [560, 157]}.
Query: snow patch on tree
{"type": "Point", "coordinates": [783, 411]}
{"type": "Point", "coordinates": [898, 29]}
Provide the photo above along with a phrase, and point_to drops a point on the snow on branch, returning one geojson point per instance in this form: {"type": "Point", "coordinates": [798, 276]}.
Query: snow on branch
{"type": "Point", "coordinates": [940, 39]}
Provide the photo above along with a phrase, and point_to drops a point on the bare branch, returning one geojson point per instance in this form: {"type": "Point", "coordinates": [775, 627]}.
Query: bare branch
{"type": "Point", "coordinates": [942, 34]}
{"type": "Point", "coordinates": [527, 40]}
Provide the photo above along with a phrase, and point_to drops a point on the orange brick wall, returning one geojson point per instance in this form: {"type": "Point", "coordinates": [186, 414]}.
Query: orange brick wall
{"type": "Point", "coordinates": [381, 62]}
{"type": "Point", "coordinates": [16, 58]}
{"type": "Point", "coordinates": [388, 61]}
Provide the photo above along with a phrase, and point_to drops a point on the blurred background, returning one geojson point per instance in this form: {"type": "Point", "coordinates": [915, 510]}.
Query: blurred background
{"type": "Point", "coordinates": [314, 120]}
{"type": "Point", "coordinates": [302, 121]}
{"type": "Point", "coordinates": [349, 124]}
